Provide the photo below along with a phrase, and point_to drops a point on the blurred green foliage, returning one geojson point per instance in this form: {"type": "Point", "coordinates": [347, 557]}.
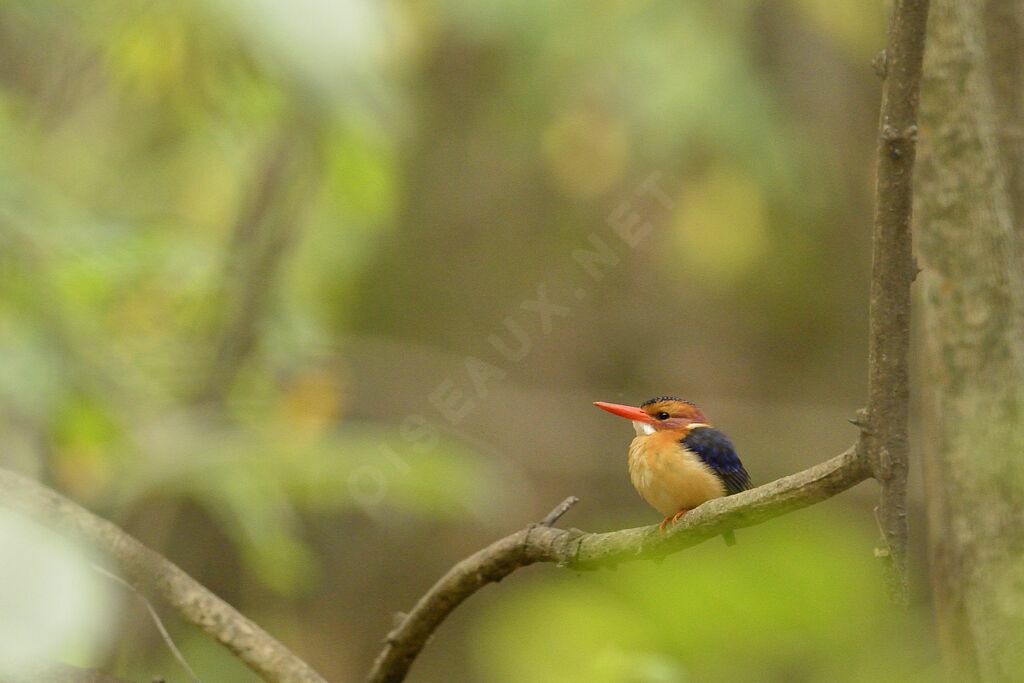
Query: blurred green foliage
{"type": "Point", "coordinates": [798, 599]}
{"type": "Point", "coordinates": [120, 187]}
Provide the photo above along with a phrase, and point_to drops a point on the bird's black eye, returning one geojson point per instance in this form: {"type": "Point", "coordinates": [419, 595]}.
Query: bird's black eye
{"type": "Point", "coordinates": [663, 415]}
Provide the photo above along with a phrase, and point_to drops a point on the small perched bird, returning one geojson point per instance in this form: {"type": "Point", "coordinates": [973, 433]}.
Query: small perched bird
{"type": "Point", "coordinates": [678, 460]}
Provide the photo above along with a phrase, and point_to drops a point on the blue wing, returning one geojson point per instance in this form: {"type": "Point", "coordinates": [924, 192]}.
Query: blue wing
{"type": "Point", "coordinates": [717, 452]}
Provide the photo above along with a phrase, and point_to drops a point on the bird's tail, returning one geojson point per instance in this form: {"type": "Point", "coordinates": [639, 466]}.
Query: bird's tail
{"type": "Point", "coordinates": [729, 537]}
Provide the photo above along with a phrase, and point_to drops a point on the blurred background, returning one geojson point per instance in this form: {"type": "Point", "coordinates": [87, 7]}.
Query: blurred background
{"type": "Point", "coordinates": [314, 297]}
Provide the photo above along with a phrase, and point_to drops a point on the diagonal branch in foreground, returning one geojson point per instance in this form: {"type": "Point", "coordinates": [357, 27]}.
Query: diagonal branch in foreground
{"type": "Point", "coordinates": [150, 571]}
{"type": "Point", "coordinates": [574, 549]}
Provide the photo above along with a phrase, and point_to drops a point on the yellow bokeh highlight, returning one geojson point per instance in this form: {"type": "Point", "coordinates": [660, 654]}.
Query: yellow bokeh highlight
{"type": "Point", "coordinates": [585, 151]}
{"type": "Point", "coordinates": [150, 55]}
{"type": "Point", "coordinates": [313, 402]}
{"type": "Point", "coordinates": [721, 226]}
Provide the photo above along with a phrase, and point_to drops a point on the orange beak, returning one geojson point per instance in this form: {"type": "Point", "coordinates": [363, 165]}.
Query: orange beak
{"type": "Point", "coordinates": [628, 412]}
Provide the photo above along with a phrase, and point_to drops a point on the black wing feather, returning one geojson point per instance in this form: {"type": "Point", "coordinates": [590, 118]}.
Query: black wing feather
{"type": "Point", "coordinates": [717, 452]}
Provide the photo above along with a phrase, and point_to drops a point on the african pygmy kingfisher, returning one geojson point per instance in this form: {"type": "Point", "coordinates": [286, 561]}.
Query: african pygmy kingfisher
{"type": "Point", "coordinates": [678, 460]}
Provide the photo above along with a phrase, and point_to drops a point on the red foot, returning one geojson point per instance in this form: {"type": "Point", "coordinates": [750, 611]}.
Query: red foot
{"type": "Point", "coordinates": [673, 519]}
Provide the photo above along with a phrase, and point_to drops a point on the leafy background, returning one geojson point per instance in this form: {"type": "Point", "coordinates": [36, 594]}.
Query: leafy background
{"type": "Point", "coordinates": [245, 247]}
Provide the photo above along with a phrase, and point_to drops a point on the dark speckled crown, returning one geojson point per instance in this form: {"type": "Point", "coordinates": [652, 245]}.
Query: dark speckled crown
{"type": "Point", "coordinates": [659, 399]}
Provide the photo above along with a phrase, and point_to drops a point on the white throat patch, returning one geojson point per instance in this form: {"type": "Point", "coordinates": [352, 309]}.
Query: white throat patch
{"type": "Point", "coordinates": [643, 428]}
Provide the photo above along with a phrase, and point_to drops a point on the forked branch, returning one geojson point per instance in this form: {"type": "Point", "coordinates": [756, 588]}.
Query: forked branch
{"type": "Point", "coordinates": [539, 543]}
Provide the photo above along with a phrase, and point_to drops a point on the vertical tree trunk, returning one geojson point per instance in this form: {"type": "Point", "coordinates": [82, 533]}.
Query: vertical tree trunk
{"type": "Point", "coordinates": [971, 246]}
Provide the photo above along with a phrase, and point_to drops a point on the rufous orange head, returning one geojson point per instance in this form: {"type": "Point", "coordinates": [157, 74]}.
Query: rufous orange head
{"type": "Point", "coordinates": [664, 413]}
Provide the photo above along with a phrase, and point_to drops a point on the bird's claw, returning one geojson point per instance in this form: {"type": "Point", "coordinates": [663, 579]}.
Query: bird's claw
{"type": "Point", "coordinates": [671, 520]}
{"type": "Point", "coordinates": [679, 515]}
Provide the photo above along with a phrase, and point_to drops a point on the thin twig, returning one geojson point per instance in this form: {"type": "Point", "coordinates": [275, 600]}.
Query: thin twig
{"type": "Point", "coordinates": [886, 435]}
{"type": "Point", "coordinates": [155, 617]}
{"type": "Point", "coordinates": [150, 571]}
{"type": "Point", "coordinates": [552, 517]}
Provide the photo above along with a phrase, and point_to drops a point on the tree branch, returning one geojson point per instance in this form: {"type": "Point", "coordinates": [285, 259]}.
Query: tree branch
{"type": "Point", "coordinates": [148, 570]}
{"type": "Point", "coordinates": [577, 550]}
{"type": "Point", "coordinates": [885, 436]}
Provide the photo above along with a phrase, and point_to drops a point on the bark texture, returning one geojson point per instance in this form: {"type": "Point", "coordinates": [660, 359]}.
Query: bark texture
{"type": "Point", "coordinates": [971, 241]}
{"type": "Point", "coordinates": [886, 441]}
